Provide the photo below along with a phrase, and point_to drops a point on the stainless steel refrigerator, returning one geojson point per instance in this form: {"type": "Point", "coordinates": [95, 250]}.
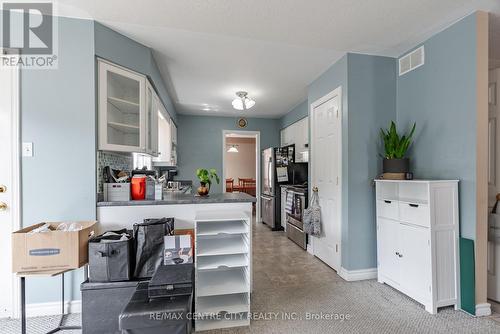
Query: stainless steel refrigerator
{"type": "Point", "coordinates": [275, 171]}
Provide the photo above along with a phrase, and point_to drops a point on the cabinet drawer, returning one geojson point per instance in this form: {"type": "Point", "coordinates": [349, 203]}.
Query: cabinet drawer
{"type": "Point", "coordinates": [388, 209]}
{"type": "Point", "coordinates": [414, 213]}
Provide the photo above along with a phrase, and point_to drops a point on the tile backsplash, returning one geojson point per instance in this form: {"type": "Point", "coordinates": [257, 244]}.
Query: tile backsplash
{"type": "Point", "coordinates": [121, 161]}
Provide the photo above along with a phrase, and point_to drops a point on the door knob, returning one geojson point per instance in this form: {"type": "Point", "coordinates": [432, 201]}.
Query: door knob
{"type": "Point", "coordinates": [3, 189]}
{"type": "Point", "coordinates": [3, 206]}
{"type": "Point", "coordinates": [315, 189]}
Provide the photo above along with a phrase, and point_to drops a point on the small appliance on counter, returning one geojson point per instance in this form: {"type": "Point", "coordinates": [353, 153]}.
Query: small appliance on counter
{"type": "Point", "coordinates": [143, 184]}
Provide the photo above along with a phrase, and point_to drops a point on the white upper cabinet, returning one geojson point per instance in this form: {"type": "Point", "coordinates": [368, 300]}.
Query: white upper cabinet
{"type": "Point", "coordinates": [152, 109]}
{"type": "Point", "coordinates": [165, 140]}
{"type": "Point", "coordinates": [121, 109]}
{"type": "Point", "coordinates": [129, 115]}
{"type": "Point", "coordinates": [174, 144]}
{"type": "Point", "coordinates": [298, 134]}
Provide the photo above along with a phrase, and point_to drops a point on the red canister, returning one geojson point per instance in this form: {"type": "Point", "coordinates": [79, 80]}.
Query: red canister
{"type": "Point", "coordinates": [138, 187]}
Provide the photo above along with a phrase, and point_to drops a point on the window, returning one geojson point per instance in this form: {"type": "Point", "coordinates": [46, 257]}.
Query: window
{"type": "Point", "coordinates": [142, 160]}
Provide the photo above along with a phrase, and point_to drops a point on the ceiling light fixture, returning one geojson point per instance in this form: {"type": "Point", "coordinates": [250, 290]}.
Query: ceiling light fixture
{"type": "Point", "coordinates": [232, 149]}
{"type": "Point", "coordinates": [243, 102]}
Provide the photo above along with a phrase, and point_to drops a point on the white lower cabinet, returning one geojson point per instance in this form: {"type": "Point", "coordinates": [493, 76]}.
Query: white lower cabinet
{"type": "Point", "coordinates": [222, 270]}
{"type": "Point", "coordinates": [417, 240]}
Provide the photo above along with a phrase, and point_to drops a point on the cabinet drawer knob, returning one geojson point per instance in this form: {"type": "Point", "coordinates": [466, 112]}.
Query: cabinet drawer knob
{"type": "Point", "coordinates": [413, 205]}
{"type": "Point", "coordinates": [388, 202]}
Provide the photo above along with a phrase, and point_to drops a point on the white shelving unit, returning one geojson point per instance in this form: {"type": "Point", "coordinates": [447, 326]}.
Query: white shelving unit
{"type": "Point", "coordinates": [222, 269]}
{"type": "Point", "coordinates": [417, 240]}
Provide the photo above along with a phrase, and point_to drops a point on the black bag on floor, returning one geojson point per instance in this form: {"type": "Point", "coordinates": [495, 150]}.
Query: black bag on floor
{"type": "Point", "coordinates": [149, 244]}
{"type": "Point", "coordinates": [110, 256]}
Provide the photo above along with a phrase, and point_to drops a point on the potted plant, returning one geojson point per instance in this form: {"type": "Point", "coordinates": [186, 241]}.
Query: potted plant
{"type": "Point", "coordinates": [205, 176]}
{"type": "Point", "coordinates": [395, 160]}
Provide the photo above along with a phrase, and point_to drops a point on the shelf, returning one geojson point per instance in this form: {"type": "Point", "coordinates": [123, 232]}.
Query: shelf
{"type": "Point", "coordinates": [213, 283]}
{"type": "Point", "coordinates": [222, 261]}
{"type": "Point", "coordinates": [227, 303]}
{"type": "Point", "coordinates": [236, 321]}
{"type": "Point", "coordinates": [124, 106]}
{"type": "Point", "coordinates": [221, 246]}
{"type": "Point", "coordinates": [209, 216]}
{"type": "Point", "coordinates": [405, 200]}
{"type": "Point", "coordinates": [126, 128]}
{"type": "Point", "coordinates": [224, 227]}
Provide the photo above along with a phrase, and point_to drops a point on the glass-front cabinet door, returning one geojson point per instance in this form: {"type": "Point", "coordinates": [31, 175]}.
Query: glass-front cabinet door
{"type": "Point", "coordinates": [121, 109]}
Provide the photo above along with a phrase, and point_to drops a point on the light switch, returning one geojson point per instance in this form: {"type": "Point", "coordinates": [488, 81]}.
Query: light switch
{"type": "Point", "coordinates": [27, 149]}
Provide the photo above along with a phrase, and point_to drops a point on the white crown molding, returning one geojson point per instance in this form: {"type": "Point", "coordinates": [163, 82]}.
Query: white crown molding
{"type": "Point", "coordinates": [483, 310]}
{"type": "Point", "coordinates": [358, 275]}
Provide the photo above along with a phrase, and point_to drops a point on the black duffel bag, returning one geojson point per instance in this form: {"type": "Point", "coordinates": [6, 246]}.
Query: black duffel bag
{"type": "Point", "coordinates": [110, 256]}
{"type": "Point", "coordinates": [149, 245]}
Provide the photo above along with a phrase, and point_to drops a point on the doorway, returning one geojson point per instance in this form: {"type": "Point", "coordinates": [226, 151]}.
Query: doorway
{"type": "Point", "coordinates": [326, 171]}
{"type": "Point", "coordinates": [241, 164]}
{"type": "Point", "coordinates": [9, 185]}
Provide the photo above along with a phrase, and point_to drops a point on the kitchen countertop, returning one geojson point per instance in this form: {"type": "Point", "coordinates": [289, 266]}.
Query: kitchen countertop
{"type": "Point", "coordinates": [179, 198]}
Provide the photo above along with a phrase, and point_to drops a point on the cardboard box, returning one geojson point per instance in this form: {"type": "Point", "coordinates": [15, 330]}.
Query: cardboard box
{"type": "Point", "coordinates": [54, 250]}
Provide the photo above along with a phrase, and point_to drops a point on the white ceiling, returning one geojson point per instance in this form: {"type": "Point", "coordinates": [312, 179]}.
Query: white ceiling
{"type": "Point", "coordinates": [209, 49]}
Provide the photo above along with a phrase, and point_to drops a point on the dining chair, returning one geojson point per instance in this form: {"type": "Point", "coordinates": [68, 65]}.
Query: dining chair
{"type": "Point", "coordinates": [229, 185]}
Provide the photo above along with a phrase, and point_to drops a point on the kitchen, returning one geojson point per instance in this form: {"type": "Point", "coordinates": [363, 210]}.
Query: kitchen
{"type": "Point", "coordinates": [132, 123]}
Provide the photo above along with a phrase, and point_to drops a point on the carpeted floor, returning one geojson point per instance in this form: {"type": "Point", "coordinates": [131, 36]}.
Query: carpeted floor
{"type": "Point", "coordinates": [289, 282]}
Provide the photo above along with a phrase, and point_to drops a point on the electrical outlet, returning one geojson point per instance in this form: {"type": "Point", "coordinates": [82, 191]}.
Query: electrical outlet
{"type": "Point", "coordinates": [27, 149]}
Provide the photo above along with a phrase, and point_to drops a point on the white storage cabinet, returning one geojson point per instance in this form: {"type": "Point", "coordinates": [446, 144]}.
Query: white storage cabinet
{"type": "Point", "coordinates": [222, 269]}
{"type": "Point", "coordinates": [418, 238]}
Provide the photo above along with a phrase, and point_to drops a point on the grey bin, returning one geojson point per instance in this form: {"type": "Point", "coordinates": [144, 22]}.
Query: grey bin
{"type": "Point", "coordinates": [102, 304]}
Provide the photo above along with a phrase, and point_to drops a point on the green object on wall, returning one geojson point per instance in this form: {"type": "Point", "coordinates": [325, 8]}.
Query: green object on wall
{"type": "Point", "coordinates": [467, 276]}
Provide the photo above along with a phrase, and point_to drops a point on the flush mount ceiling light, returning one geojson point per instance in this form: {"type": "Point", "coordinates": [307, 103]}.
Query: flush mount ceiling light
{"type": "Point", "coordinates": [232, 149]}
{"type": "Point", "coordinates": [243, 102]}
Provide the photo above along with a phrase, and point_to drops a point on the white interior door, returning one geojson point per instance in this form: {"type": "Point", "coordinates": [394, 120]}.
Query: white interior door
{"type": "Point", "coordinates": [9, 191]}
{"type": "Point", "coordinates": [326, 156]}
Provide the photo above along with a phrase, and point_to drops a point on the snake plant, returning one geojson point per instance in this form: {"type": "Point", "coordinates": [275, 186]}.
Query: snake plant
{"type": "Point", "coordinates": [394, 145]}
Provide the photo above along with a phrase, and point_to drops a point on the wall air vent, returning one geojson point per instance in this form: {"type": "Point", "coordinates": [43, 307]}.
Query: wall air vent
{"type": "Point", "coordinates": [411, 61]}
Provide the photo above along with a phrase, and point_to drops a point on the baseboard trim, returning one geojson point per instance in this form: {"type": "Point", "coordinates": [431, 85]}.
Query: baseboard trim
{"type": "Point", "coordinates": [357, 275]}
{"type": "Point", "coordinates": [483, 310]}
{"type": "Point", "coordinates": [53, 308]}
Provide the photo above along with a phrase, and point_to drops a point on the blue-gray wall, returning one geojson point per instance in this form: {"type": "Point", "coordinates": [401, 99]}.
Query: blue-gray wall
{"type": "Point", "coordinates": [58, 113]}
{"type": "Point", "coordinates": [297, 113]}
{"type": "Point", "coordinates": [441, 98]}
{"type": "Point", "coordinates": [58, 116]}
{"type": "Point", "coordinates": [372, 105]}
{"type": "Point", "coordinates": [200, 142]}
{"type": "Point", "coordinates": [126, 52]}
{"type": "Point", "coordinates": [368, 103]}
